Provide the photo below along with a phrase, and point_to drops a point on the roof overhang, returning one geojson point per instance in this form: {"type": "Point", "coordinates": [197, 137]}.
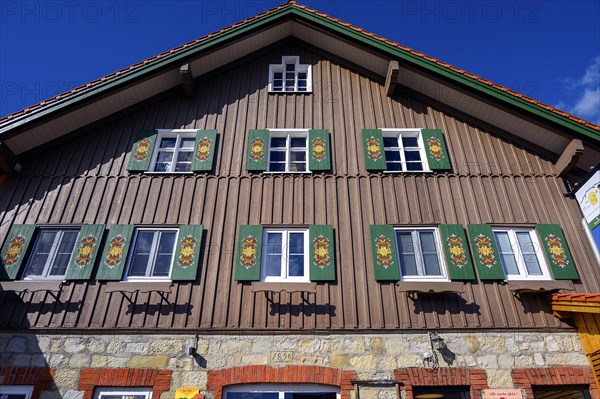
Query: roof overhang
{"type": "Point", "coordinates": [444, 84]}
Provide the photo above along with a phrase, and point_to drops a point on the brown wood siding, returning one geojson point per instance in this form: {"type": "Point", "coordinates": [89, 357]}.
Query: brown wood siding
{"type": "Point", "coordinates": [84, 180]}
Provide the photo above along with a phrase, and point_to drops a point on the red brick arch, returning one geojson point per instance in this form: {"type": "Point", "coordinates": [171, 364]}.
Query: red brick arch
{"type": "Point", "coordinates": [157, 380]}
{"type": "Point", "coordinates": [411, 377]}
{"type": "Point", "coordinates": [559, 376]}
{"type": "Point", "coordinates": [40, 378]}
{"type": "Point", "coordinates": [217, 379]}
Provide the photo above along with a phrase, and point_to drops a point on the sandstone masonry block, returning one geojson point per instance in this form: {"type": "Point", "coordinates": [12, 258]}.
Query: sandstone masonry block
{"type": "Point", "coordinates": [148, 361]}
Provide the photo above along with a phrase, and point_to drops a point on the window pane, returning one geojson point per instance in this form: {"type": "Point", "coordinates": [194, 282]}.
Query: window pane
{"type": "Point", "coordinates": [168, 142]}
{"type": "Point", "coordinates": [430, 258]}
{"type": "Point", "coordinates": [167, 242]}
{"type": "Point", "coordinates": [394, 166]}
{"type": "Point", "coordinates": [302, 75]}
{"type": "Point", "coordinates": [296, 156]}
{"type": "Point", "coordinates": [296, 265]}
{"type": "Point", "coordinates": [296, 245]}
{"type": "Point", "coordinates": [40, 253]}
{"type": "Point", "coordinates": [141, 253]}
{"type": "Point", "coordinates": [298, 141]}
{"type": "Point", "coordinates": [164, 156]}
{"type": "Point", "coordinates": [410, 142]}
{"type": "Point", "coordinates": [277, 156]}
{"type": "Point", "coordinates": [298, 167]}
{"type": "Point", "coordinates": [289, 85]}
{"type": "Point", "coordinates": [310, 395]}
{"type": "Point", "coordinates": [276, 167]}
{"type": "Point", "coordinates": [414, 166]}
{"type": "Point", "coordinates": [390, 142]}
{"type": "Point", "coordinates": [273, 261]}
{"type": "Point", "coordinates": [63, 254]}
{"type": "Point", "coordinates": [278, 75]}
{"type": "Point", "coordinates": [391, 155]}
{"type": "Point", "coordinates": [183, 167]}
{"type": "Point", "coordinates": [188, 142]}
{"type": "Point", "coordinates": [528, 250]}
{"type": "Point", "coordinates": [406, 250]}
{"type": "Point", "coordinates": [290, 67]}
{"type": "Point", "coordinates": [249, 395]}
{"type": "Point", "coordinates": [506, 253]}
{"type": "Point", "coordinates": [412, 155]}
{"type": "Point", "coordinates": [277, 85]}
{"type": "Point", "coordinates": [278, 142]}
{"type": "Point", "coordinates": [184, 156]}
{"type": "Point", "coordinates": [164, 254]}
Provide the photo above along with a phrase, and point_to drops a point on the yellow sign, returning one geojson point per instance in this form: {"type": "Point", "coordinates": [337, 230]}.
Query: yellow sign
{"type": "Point", "coordinates": [186, 393]}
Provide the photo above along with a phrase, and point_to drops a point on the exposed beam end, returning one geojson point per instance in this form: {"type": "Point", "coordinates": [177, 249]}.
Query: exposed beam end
{"type": "Point", "coordinates": [187, 80]}
{"type": "Point", "coordinates": [391, 79]}
{"type": "Point", "coordinates": [568, 159]}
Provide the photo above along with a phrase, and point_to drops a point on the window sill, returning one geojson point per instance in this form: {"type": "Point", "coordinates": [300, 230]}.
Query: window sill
{"type": "Point", "coordinates": [168, 173]}
{"type": "Point", "coordinates": [54, 286]}
{"type": "Point", "coordinates": [431, 287]}
{"type": "Point", "coordinates": [287, 173]}
{"type": "Point", "coordinates": [398, 172]}
{"type": "Point", "coordinates": [521, 286]}
{"type": "Point", "coordinates": [280, 287]}
{"type": "Point", "coordinates": [144, 287]}
{"type": "Point", "coordinates": [290, 92]}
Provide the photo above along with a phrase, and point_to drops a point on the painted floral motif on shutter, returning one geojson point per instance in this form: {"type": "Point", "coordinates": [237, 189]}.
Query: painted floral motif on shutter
{"type": "Point", "coordinates": [485, 252]}
{"type": "Point", "coordinates": [457, 251]}
{"type": "Point", "coordinates": [321, 252]}
{"type": "Point", "coordinates": [257, 149]}
{"type": "Point", "coordinates": [85, 250]}
{"type": "Point", "coordinates": [373, 148]}
{"type": "Point", "coordinates": [142, 149]}
{"type": "Point", "coordinates": [115, 251]}
{"type": "Point", "coordinates": [384, 251]}
{"type": "Point", "coordinates": [14, 250]}
{"type": "Point", "coordinates": [557, 250]}
{"type": "Point", "coordinates": [204, 147]}
{"type": "Point", "coordinates": [187, 251]}
{"type": "Point", "coordinates": [248, 253]}
{"type": "Point", "coordinates": [435, 148]}
{"type": "Point", "coordinates": [319, 149]}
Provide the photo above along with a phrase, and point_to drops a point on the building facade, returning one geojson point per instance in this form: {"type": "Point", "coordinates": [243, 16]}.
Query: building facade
{"type": "Point", "coordinates": [293, 206]}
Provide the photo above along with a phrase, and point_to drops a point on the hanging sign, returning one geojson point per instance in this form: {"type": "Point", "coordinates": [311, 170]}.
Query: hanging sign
{"type": "Point", "coordinates": [187, 393]}
{"type": "Point", "coordinates": [502, 394]}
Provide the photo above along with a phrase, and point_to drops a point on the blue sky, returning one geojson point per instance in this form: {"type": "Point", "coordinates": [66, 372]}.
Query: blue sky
{"type": "Point", "coordinates": [548, 50]}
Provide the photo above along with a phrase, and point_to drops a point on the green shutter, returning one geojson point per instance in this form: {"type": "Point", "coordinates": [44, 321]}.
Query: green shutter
{"type": "Point", "coordinates": [385, 254]}
{"type": "Point", "coordinates": [319, 150]}
{"type": "Point", "coordinates": [456, 251]}
{"type": "Point", "coordinates": [557, 252]}
{"type": "Point", "coordinates": [187, 253]}
{"type": "Point", "coordinates": [322, 253]}
{"type": "Point", "coordinates": [258, 150]}
{"type": "Point", "coordinates": [14, 250]}
{"type": "Point", "coordinates": [141, 152]}
{"type": "Point", "coordinates": [204, 150]}
{"type": "Point", "coordinates": [247, 264]}
{"type": "Point", "coordinates": [485, 252]}
{"type": "Point", "coordinates": [436, 150]}
{"type": "Point", "coordinates": [85, 251]}
{"type": "Point", "coordinates": [373, 148]}
{"type": "Point", "coordinates": [115, 252]}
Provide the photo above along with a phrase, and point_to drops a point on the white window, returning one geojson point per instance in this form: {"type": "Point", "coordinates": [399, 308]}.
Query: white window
{"type": "Point", "coordinates": [152, 254]}
{"type": "Point", "coordinates": [419, 254]}
{"type": "Point", "coordinates": [281, 391]}
{"type": "Point", "coordinates": [284, 255]}
{"type": "Point", "coordinates": [122, 393]}
{"type": "Point", "coordinates": [520, 254]}
{"type": "Point", "coordinates": [404, 150]}
{"type": "Point", "coordinates": [288, 151]}
{"type": "Point", "coordinates": [15, 392]}
{"type": "Point", "coordinates": [174, 151]}
{"type": "Point", "coordinates": [51, 253]}
{"type": "Point", "coordinates": [290, 76]}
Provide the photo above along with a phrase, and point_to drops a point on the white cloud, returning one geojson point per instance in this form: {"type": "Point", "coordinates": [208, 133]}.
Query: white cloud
{"type": "Point", "coordinates": [584, 94]}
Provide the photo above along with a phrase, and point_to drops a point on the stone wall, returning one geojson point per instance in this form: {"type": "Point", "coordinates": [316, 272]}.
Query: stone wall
{"type": "Point", "coordinates": [371, 355]}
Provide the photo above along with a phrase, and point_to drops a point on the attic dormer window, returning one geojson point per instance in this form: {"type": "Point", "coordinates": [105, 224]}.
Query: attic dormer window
{"type": "Point", "coordinates": [290, 76]}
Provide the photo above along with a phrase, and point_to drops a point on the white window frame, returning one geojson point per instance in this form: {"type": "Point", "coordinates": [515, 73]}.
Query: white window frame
{"type": "Point", "coordinates": [100, 393]}
{"type": "Point", "coordinates": [281, 389]}
{"type": "Point", "coordinates": [284, 276]}
{"type": "Point", "coordinates": [288, 134]}
{"type": "Point", "coordinates": [153, 254]}
{"type": "Point", "coordinates": [171, 133]}
{"type": "Point", "coordinates": [26, 390]}
{"type": "Point", "coordinates": [523, 273]}
{"type": "Point", "coordinates": [419, 254]}
{"type": "Point", "coordinates": [52, 255]}
{"type": "Point", "coordinates": [298, 68]}
{"type": "Point", "coordinates": [390, 132]}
